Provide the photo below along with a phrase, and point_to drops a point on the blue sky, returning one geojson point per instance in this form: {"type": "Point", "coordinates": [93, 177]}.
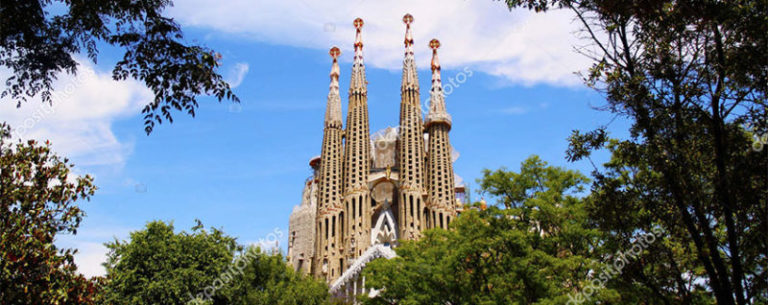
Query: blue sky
{"type": "Point", "coordinates": [242, 167]}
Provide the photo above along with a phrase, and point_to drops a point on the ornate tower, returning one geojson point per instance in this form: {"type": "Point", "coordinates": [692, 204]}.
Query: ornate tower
{"type": "Point", "coordinates": [357, 156]}
{"type": "Point", "coordinates": [440, 185]}
{"type": "Point", "coordinates": [394, 182]}
{"type": "Point", "coordinates": [330, 215]}
{"type": "Point", "coordinates": [411, 146]}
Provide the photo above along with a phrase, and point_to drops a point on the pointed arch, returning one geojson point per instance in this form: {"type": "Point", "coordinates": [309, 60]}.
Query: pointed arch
{"type": "Point", "coordinates": [385, 229]}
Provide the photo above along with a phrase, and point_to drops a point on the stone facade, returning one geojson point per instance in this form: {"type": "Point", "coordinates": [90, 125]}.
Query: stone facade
{"type": "Point", "coordinates": [301, 241]}
{"type": "Point", "coordinates": [369, 191]}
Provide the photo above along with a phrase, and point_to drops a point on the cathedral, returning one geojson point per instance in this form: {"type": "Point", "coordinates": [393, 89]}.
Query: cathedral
{"type": "Point", "coordinates": [368, 191]}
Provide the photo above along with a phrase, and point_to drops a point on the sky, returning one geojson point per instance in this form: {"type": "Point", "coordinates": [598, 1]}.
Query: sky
{"type": "Point", "coordinates": [241, 167]}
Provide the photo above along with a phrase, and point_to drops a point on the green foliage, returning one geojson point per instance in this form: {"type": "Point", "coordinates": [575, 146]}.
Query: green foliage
{"type": "Point", "coordinates": [269, 280]}
{"type": "Point", "coordinates": [624, 206]}
{"type": "Point", "coordinates": [37, 201]}
{"type": "Point", "coordinates": [538, 251]}
{"type": "Point", "coordinates": [688, 75]}
{"type": "Point", "coordinates": [158, 266]}
{"type": "Point", "coordinates": [37, 43]}
{"type": "Point", "coordinates": [535, 179]}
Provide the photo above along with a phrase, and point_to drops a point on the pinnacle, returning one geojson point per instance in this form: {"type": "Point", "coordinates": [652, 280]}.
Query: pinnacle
{"type": "Point", "coordinates": [410, 77]}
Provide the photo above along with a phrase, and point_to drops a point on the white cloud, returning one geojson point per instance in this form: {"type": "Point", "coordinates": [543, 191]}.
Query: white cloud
{"type": "Point", "coordinates": [79, 120]}
{"type": "Point", "coordinates": [237, 74]}
{"type": "Point", "coordinates": [90, 257]}
{"type": "Point", "coordinates": [89, 242]}
{"type": "Point", "coordinates": [520, 46]}
{"type": "Point", "coordinates": [79, 125]}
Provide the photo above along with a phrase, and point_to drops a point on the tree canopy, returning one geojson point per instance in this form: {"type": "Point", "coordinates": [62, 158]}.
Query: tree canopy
{"type": "Point", "coordinates": [160, 266]}
{"type": "Point", "coordinates": [38, 196]}
{"type": "Point", "coordinates": [39, 40]}
{"type": "Point", "coordinates": [688, 75]}
{"type": "Point", "coordinates": [536, 252]}
{"type": "Point", "coordinates": [269, 280]}
{"type": "Point", "coordinates": [201, 267]}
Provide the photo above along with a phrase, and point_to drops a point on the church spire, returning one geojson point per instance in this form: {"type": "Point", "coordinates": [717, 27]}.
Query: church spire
{"type": "Point", "coordinates": [330, 214]}
{"type": "Point", "coordinates": [441, 197]}
{"type": "Point", "coordinates": [410, 147]}
{"type": "Point", "coordinates": [410, 78]}
{"type": "Point", "coordinates": [358, 84]}
{"type": "Point", "coordinates": [437, 112]}
{"type": "Point", "coordinates": [333, 110]}
{"type": "Point", "coordinates": [357, 158]}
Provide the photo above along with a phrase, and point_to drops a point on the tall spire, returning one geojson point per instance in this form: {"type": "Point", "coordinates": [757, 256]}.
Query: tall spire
{"type": "Point", "coordinates": [357, 157]}
{"type": "Point", "coordinates": [411, 213]}
{"type": "Point", "coordinates": [330, 214]}
{"type": "Point", "coordinates": [410, 78]}
{"type": "Point", "coordinates": [437, 112]}
{"type": "Point", "coordinates": [333, 110]}
{"type": "Point", "coordinates": [358, 84]}
{"type": "Point", "coordinates": [441, 198]}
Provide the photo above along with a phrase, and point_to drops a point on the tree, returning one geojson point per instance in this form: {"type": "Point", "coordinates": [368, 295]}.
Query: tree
{"type": "Point", "coordinates": [535, 177]}
{"type": "Point", "coordinates": [537, 251]}
{"type": "Point", "coordinates": [626, 207]}
{"type": "Point", "coordinates": [269, 280]}
{"type": "Point", "coordinates": [159, 266]}
{"type": "Point", "coordinates": [38, 195]}
{"type": "Point", "coordinates": [688, 75]}
{"type": "Point", "coordinates": [39, 39]}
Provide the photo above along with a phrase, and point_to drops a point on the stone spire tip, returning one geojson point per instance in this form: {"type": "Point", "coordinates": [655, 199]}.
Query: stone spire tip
{"type": "Point", "coordinates": [335, 52]}
{"type": "Point", "coordinates": [333, 111]}
{"type": "Point", "coordinates": [358, 23]}
{"type": "Point", "coordinates": [434, 44]}
{"type": "Point", "coordinates": [437, 112]}
{"type": "Point", "coordinates": [408, 19]}
{"type": "Point", "coordinates": [358, 82]}
{"type": "Point", "coordinates": [410, 77]}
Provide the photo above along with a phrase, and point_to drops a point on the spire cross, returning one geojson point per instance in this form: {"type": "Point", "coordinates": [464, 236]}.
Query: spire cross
{"type": "Point", "coordinates": [335, 52]}
{"type": "Point", "coordinates": [434, 44]}
{"type": "Point", "coordinates": [408, 19]}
